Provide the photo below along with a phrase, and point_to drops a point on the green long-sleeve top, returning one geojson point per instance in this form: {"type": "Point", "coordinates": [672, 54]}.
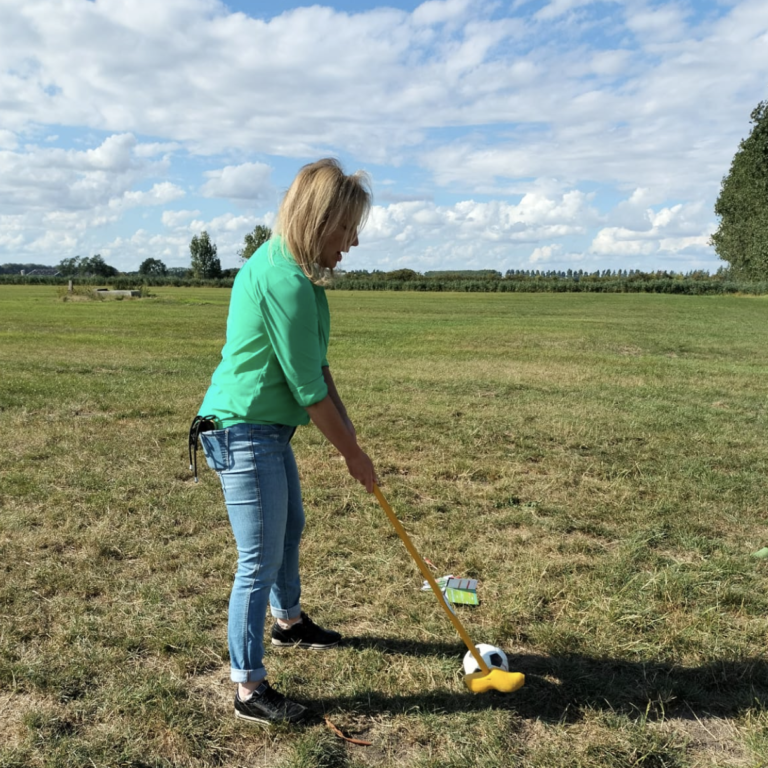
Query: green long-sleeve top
{"type": "Point", "coordinates": [277, 341]}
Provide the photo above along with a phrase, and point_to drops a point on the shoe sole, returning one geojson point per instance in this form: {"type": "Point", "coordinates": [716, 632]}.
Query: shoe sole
{"type": "Point", "coordinates": [266, 721]}
{"type": "Point", "coordinates": [306, 646]}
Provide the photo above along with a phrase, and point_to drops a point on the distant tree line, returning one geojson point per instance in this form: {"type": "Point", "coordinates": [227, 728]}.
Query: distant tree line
{"type": "Point", "coordinates": [551, 281]}
{"type": "Point", "coordinates": [17, 269]}
{"type": "Point", "coordinates": [513, 281]}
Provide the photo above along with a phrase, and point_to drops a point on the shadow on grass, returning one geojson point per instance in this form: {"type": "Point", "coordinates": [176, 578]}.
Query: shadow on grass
{"type": "Point", "coordinates": [562, 688]}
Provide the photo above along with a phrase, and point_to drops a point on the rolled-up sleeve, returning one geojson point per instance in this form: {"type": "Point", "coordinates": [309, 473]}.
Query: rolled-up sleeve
{"type": "Point", "coordinates": [290, 316]}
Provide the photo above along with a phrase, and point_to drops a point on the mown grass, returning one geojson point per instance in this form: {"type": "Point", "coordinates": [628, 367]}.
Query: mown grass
{"type": "Point", "coordinates": [598, 462]}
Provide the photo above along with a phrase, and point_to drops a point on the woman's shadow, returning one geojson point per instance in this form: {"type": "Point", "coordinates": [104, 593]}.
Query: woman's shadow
{"type": "Point", "coordinates": [562, 688]}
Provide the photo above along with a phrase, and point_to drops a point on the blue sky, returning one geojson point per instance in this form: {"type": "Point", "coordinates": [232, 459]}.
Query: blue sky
{"type": "Point", "coordinates": [503, 135]}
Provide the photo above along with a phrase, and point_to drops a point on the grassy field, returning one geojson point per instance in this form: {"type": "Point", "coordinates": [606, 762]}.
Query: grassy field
{"type": "Point", "coordinates": [598, 462]}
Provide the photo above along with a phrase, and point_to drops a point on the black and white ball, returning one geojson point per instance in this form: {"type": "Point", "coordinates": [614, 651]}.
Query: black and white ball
{"type": "Point", "coordinates": [492, 656]}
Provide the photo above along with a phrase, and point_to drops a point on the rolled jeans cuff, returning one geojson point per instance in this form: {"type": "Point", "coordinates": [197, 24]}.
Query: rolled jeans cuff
{"type": "Point", "coordinates": [247, 675]}
{"type": "Point", "coordinates": [291, 613]}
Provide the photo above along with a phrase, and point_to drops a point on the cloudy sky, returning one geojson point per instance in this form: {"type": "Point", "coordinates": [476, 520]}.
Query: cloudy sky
{"type": "Point", "coordinates": [506, 135]}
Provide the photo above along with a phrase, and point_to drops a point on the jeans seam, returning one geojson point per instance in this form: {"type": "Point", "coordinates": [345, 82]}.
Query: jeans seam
{"type": "Point", "coordinates": [247, 611]}
{"type": "Point", "coordinates": [278, 580]}
{"type": "Point", "coordinates": [282, 583]}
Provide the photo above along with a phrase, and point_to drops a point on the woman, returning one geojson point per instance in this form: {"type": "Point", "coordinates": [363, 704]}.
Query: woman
{"type": "Point", "coordinates": [273, 377]}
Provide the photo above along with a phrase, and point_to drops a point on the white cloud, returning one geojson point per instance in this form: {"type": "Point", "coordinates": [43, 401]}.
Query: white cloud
{"type": "Point", "coordinates": [682, 228]}
{"type": "Point", "coordinates": [475, 98]}
{"type": "Point", "coordinates": [545, 253]}
{"type": "Point", "coordinates": [175, 219]}
{"type": "Point", "coordinates": [8, 140]}
{"type": "Point", "coordinates": [11, 232]}
{"type": "Point", "coordinates": [659, 24]}
{"type": "Point", "coordinates": [611, 63]}
{"type": "Point", "coordinates": [171, 249]}
{"type": "Point", "coordinates": [61, 199]}
{"type": "Point", "coordinates": [400, 75]}
{"type": "Point", "coordinates": [246, 182]}
{"type": "Point", "coordinates": [617, 241]}
{"type": "Point", "coordinates": [159, 194]}
{"type": "Point", "coordinates": [559, 8]}
{"type": "Point", "coordinates": [498, 235]}
{"type": "Point", "coordinates": [440, 11]}
{"type": "Point", "coordinates": [157, 148]}
{"type": "Point", "coordinates": [47, 178]}
{"type": "Point", "coordinates": [535, 216]}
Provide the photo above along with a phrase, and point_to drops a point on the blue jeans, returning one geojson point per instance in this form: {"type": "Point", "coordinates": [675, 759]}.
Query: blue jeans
{"type": "Point", "coordinates": [260, 481]}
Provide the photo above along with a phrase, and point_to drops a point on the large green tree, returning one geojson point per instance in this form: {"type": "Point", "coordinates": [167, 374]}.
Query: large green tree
{"type": "Point", "coordinates": [254, 240]}
{"type": "Point", "coordinates": [153, 267]}
{"type": "Point", "coordinates": [70, 266]}
{"type": "Point", "coordinates": [205, 262]}
{"type": "Point", "coordinates": [742, 237]}
{"type": "Point", "coordinates": [98, 267]}
{"type": "Point", "coordinates": [93, 266]}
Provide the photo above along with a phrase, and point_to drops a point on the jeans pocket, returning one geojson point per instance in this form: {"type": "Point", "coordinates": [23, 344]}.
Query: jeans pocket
{"type": "Point", "coordinates": [216, 449]}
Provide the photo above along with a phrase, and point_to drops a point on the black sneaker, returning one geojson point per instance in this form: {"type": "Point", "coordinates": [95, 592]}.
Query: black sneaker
{"type": "Point", "coordinates": [305, 634]}
{"type": "Point", "coordinates": [269, 706]}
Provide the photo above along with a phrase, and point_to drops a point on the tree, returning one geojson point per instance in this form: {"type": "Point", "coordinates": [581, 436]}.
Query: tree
{"type": "Point", "coordinates": [69, 267]}
{"type": "Point", "coordinates": [97, 266]}
{"type": "Point", "coordinates": [153, 268]}
{"type": "Point", "coordinates": [403, 274]}
{"type": "Point", "coordinates": [742, 237]}
{"type": "Point", "coordinates": [205, 262]}
{"type": "Point", "coordinates": [86, 267]}
{"type": "Point", "coordinates": [254, 240]}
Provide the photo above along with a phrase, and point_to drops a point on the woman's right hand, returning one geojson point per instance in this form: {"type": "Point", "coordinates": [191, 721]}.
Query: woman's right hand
{"type": "Point", "coordinates": [329, 421]}
{"type": "Point", "coordinates": [361, 468]}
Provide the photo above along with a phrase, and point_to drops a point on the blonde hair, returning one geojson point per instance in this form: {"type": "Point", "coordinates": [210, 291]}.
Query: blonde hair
{"type": "Point", "coordinates": [320, 200]}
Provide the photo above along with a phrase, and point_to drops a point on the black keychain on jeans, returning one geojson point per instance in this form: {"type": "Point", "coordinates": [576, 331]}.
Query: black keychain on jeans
{"type": "Point", "coordinates": [199, 424]}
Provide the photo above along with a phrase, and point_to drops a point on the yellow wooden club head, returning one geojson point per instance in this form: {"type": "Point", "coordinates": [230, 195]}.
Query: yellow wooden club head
{"type": "Point", "coordinates": [494, 680]}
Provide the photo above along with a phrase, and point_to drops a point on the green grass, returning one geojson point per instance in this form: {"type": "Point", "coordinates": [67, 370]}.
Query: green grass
{"type": "Point", "coordinates": [598, 462]}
